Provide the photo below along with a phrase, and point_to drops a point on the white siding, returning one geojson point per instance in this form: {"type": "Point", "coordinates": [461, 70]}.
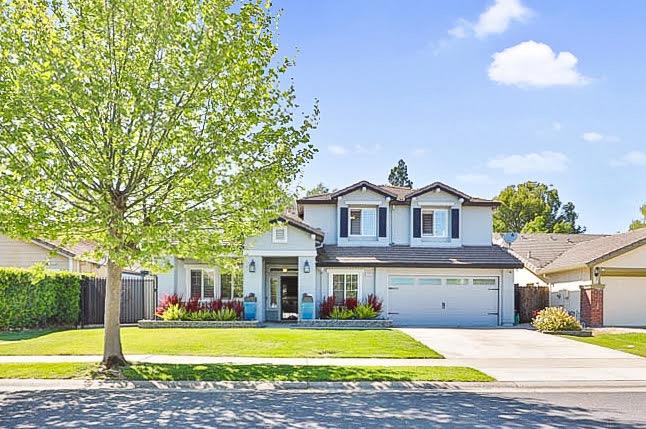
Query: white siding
{"type": "Point", "coordinates": [477, 224]}
{"type": "Point", "coordinates": [401, 224]}
{"type": "Point", "coordinates": [297, 240]}
{"type": "Point", "coordinates": [524, 277]}
{"type": "Point", "coordinates": [623, 301]}
{"type": "Point", "coordinates": [636, 258]}
{"type": "Point", "coordinates": [322, 216]}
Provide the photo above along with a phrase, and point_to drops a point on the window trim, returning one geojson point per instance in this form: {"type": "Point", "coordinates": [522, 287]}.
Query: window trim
{"type": "Point", "coordinates": [361, 210]}
{"type": "Point", "coordinates": [274, 238]}
{"type": "Point", "coordinates": [359, 275]}
{"type": "Point", "coordinates": [434, 211]}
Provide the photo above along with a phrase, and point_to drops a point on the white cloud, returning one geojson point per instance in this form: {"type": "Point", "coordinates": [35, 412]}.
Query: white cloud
{"type": "Point", "coordinates": [542, 162]}
{"type": "Point", "coordinates": [358, 148]}
{"type": "Point", "coordinates": [635, 157]}
{"type": "Point", "coordinates": [337, 150]}
{"type": "Point", "coordinates": [495, 20]}
{"type": "Point", "coordinates": [497, 17]}
{"type": "Point", "coordinates": [592, 136]}
{"type": "Point", "coordinates": [475, 178]}
{"type": "Point", "coordinates": [556, 126]}
{"type": "Point", "coordinates": [535, 64]}
{"type": "Point", "coordinates": [421, 151]}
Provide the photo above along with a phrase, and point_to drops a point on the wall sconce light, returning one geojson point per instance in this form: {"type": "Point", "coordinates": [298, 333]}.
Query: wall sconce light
{"type": "Point", "coordinates": [252, 266]}
{"type": "Point", "coordinates": [306, 267]}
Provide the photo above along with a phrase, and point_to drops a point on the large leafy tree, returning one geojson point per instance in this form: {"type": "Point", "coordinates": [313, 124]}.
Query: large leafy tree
{"type": "Point", "coordinates": [534, 207]}
{"type": "Point", "coordinates": [639, 223]}
{"type": "Point", "coordinates": [399, 175]}
{"type": "Point", "coordinates": [152, 127]}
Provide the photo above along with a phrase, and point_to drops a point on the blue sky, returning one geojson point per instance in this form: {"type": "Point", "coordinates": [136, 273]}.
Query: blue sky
{"type": "Point", "coordinates": [478, 94]}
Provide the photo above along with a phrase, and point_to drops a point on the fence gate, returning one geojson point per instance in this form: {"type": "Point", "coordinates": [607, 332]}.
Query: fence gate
{"type": "Point", "coordinates": [530, 299]}
{"type": "Point", "coordinates": [138, 299]}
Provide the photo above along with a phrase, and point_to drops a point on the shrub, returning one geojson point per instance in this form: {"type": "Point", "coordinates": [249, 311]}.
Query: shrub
{"type": "Point", "coordinates": [364, 311]}
{"type": "Point", "coordinates": [38, 298]}
{"type": "Point", "coordinates": [193, 304]}
{"type": "Point", "coordinates": [167, 301]}
{"type": "Point", "coordinates": [341, 313]}
{"type": "Point", "coordinates": [225, 315]}
{"type": "Point", "coordinates": [555, 319]}
{"type": "Point", "coordinates": [325, 310]}
{"type": "Point", "coordinates": [351, 303]}
{"type": "Point", "coordinates": [237, 307]}
{"type": "Point", "coordinates": [375, 302]}
{"type": "Point", "coordinates": [174, 312]}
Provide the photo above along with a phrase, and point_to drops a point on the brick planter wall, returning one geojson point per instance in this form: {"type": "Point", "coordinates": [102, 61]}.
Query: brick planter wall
{"type": "Point", "coordinates": [347, 324]}
{"type": "Point", "coordinates": [592, 305]}
{"type": "Point", "coordinates": [147, 324]}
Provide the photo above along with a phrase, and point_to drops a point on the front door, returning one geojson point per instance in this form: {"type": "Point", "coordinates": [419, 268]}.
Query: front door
{"type": "Point", "coordinates": [289, 297]}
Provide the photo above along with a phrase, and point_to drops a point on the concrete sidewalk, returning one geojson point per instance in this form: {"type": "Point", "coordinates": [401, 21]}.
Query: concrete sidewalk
{"type": "Point", "coordinates": [624, 368]}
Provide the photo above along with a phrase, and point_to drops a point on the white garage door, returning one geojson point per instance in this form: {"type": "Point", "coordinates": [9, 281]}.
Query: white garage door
{"type": "Point", "coordinates": [443, 301]}
{"type": "Point", "coordinates": [623, 301]}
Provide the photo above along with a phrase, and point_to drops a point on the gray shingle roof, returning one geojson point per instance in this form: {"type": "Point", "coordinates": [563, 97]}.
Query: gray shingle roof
{"type": "Point", "coordinates": [600, 249]}
{"type": "Point", "coordinates": [537, 250]}
{"type": "Point", "coordinates": [406, 256]}
{"type": "Point", "coordinates": [400, 194]}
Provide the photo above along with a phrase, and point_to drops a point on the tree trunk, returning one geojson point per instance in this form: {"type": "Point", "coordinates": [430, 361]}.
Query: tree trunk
{"type": "Point", "coordinates": [112, 353]}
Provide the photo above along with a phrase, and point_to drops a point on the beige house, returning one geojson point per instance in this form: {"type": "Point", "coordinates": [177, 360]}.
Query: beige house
{"type": "Point", "coordinates": [599, 278]}
{"type": "Point", "coordinates": [25, 254]}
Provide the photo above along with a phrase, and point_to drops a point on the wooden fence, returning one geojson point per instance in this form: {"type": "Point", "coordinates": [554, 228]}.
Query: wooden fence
{"type": "Point", "coordinates": [530, 299]}
{"type": "Point", "coordinates": [138, 299]}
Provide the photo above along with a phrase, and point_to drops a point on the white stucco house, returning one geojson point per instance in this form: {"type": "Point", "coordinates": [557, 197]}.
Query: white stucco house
{"type": "Point", "coordinates": [601, 279]}
{"type": "Point", "coordinates": [426, 252]}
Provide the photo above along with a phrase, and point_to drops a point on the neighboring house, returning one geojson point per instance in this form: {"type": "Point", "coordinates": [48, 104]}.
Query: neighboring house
{"type": "Point", "coordinates": [599, 278]}
{"type": "Point", "coordinates": [426, 252]}
{"type": "Point", "coordinates": [25, 254]}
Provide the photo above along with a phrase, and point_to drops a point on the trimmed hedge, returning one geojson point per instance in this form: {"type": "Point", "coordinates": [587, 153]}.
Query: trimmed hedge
{"type": "Point", "coordinates": [38, 298]}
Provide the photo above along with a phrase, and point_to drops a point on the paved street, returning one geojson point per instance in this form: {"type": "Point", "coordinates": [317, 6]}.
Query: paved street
{"type": "Point", "coordinates": [194, 409]}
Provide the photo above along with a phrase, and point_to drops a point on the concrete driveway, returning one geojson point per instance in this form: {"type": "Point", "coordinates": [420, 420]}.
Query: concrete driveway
{"type": "Point", "coordinates": [526, 355]}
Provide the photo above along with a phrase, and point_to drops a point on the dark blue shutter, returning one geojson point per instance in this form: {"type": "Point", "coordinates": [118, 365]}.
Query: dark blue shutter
{"type": "Point", "coordinates": [417, 223]}
{"type": "Point", "coordinates": [455, 223]}
{"type": "Point", "coordinates": [343, 228]}
{"type": "Point", "coordinates": [383, 213]}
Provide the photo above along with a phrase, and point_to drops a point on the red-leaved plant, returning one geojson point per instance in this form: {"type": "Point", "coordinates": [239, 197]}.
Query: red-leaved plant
{"type": "Point", "coordinates": [167, 301]}
{"type": "Point", "coordinates": [326, 307]}
{"type": "Point", "coordinates": [351, 303]}
{"type": "Point", "coordinates": [375, 302]}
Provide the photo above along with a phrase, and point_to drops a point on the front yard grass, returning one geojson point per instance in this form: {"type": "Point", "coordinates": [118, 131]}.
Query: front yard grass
{"type": "Point", "coordinates": [264, 342]}
{"type": "Point", "coordinates": [167, 372]}
{"type": "Point", "coordinates": [633, 343]}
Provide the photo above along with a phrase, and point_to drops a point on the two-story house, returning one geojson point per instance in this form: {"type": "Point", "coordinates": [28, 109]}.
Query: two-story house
{"type": "Point", "coordinates": [426, 252]}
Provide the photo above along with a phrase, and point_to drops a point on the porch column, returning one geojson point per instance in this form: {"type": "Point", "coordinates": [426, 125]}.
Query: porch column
{"type": "Point", "coordinates": [253, 282]}
{"type": "Point", "coordinates": [307, 281]}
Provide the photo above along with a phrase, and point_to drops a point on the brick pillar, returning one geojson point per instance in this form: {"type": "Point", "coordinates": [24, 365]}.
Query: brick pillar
{"type": "Point", "coordinates": [592, 305]}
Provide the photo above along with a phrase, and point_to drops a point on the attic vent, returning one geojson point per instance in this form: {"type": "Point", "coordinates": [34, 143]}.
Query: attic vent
{"type": "Point", "coordinates": [279, 234]}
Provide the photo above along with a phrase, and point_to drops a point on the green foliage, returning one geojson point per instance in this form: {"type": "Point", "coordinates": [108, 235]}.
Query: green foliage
{"type": "Point", "coordinates": [178, 312]}
{"type": "Point", "coordinates": [364, 311]}
{"type": "Point", "coordinates": [399, 175]}
{"type": "Point", "coordinates": [341, 313]}
{"type": "Point", "coordinates": [534, 207]}
{"type": "Point", "coordinates": [639, 223]}
{"type": "Point", "coordinates": [318, 190]}
{"type": "Point", "coordinates": [555, 319]}
{"type": "Point", "coordinates": [174, 312]}
{"type": "Point", "coordinates": [152, 127]}
{"type": "Point", "coordinates": [38, 298]}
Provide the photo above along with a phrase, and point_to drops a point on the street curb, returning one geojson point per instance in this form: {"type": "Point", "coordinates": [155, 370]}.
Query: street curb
{"type": "Point", "coordinates": [14, 385]}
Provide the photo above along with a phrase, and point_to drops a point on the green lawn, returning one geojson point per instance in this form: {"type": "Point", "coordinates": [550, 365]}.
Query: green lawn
{"type": "Point", "coordinates": [263, 342]}
{"type": "Point", "coordinates": [630, 343]}
{"type": "Point", "coordinates": [247, 372]}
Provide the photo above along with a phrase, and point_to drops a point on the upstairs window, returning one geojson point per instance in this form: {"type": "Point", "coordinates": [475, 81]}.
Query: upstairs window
{"type": "Point", "coordinates": [435, 223]}
{"type": "Point", "coordinates": [363, 222]}
{"type": "Point", "coordinates": [279, 234]}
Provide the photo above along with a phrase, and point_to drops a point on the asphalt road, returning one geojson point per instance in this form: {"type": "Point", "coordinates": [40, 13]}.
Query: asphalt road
{"type": "Point", "coordinates": [195, 409]}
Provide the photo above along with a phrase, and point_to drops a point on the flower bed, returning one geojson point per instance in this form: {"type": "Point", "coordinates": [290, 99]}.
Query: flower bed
{"type": "Point", "coordinates": [352, 309]}
{"type": "Point", "coordinates": [146, 324]}
{"type": "Point", "coordinates": [174, 308]}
